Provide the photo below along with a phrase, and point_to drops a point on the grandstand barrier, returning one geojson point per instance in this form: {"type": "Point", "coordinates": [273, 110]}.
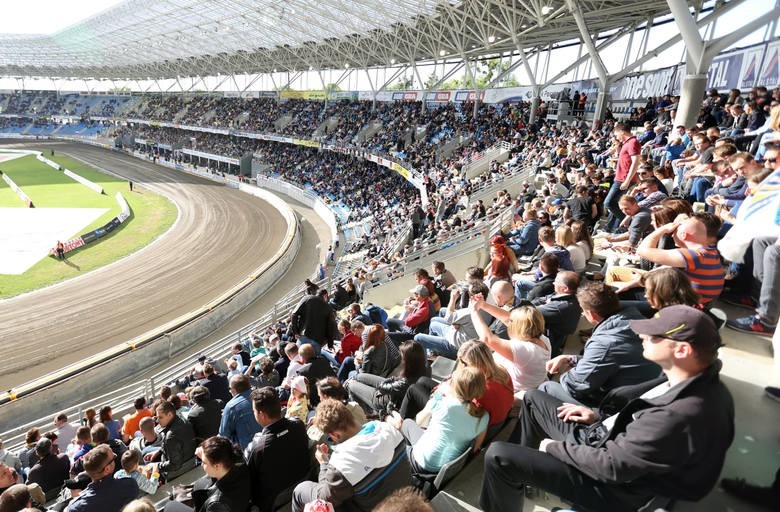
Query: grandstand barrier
{"type": "Point", "coordinates": [19, 192]}
{"type": "Point", "coordinates": [457, 252]}
{"type": "Point", "coordinates": [305, 197]}
{"type": "Point", "coordinates": [70, 174]}
{"type": "Point", "coordinates": [512, 184]}
{"type": "Point", "coordinates": [477, 164]}
{"type": "Point", "coordinates": [67, 385]}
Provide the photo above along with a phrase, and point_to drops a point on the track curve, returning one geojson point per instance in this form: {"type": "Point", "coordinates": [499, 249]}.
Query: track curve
{"type": "Point", "coordinates": [220, 237]}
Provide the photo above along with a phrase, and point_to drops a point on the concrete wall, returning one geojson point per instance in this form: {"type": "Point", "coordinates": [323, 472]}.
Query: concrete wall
{"type": "Point", "coordinates": [394, 292]}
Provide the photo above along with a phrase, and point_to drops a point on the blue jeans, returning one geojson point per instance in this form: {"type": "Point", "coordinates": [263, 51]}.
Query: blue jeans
{"type": "Point", "coordinates": [438, 326]}
{"type": "Point", "coordinates": [699, 190]}
{"type": "Point", "coordinates": [611, 204]}
{"type": "Point", "coordinates": [303, 340]}
{"type": "Point", "coordinates": [522, 287]}
{"type": "Point", "coordinates": [347, 366]}
{"type": "Point", "coordinates": [437, 344]}
{"type": "Point", "coordinates": [327, 354]}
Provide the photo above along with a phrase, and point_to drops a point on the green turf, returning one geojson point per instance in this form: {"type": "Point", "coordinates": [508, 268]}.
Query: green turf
{"type": "Point", "coordinates": [151, 216]}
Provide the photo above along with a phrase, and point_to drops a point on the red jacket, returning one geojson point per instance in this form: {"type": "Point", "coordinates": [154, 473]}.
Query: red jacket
{"type": "Point", "coordinates": [419, 315]}
{"type": "Point", "coordinates": [349, 344]}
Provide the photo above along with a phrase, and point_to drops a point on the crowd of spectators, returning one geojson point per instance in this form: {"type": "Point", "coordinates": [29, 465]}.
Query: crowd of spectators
{"type": "Point", "coordinates": [664, 211]}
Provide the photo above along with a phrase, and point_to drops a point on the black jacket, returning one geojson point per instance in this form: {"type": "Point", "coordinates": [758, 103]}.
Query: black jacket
{"type": "Point", "coordinates": [178, 448]}
{"type": "Point", "coordinates": [395, 389]}
{"type": "Point", "coordinates": [314, 319]}
{"type": "Point", "coordinates": [205, 419]}
{"type": "Point", "coordinates": [544, 286]}
{"type": "Point", "coordinates": [561, 316]}
{"type": "Point", "coordinates": [317, 369]}
{"type": "Point", "coordinates": [673, 445]}
{"type": "Point", "coordinates": [278, 458]}
{"type": "Point", "coordinates": [231, 493]}
{"type": "Point", "coordinates": [217, 384]}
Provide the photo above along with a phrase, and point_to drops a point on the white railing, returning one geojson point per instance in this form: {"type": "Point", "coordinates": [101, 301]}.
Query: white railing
{"type": "Point", "coordinates": [490, 153]}
{"type": "Point", "coordinates": [462, 243]}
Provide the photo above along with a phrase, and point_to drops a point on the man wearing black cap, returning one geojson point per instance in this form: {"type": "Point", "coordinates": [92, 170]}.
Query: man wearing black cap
{"type": "Point", "coordinates": [668, 442]}
{"type": "Point", "coordinates": [50, 471]}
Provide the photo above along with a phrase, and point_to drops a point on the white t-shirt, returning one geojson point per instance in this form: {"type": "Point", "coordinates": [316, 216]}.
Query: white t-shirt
{"type": "Point", "coordinates": [528, 368]}
{"type": "Point", "coordinates": [577, 257]}
{"type": "Point", "coordinates": [586, 250]}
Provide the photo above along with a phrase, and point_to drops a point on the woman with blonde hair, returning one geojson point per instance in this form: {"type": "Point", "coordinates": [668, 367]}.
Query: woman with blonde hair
{"type": "Point", "coordinates": [499, 392]}
{"type": "Point", "coordinates": [448, 424]}
{"type": "Point", "coordinates": [565, 238]}
{"type": "Point", "coordinates": [527, 350]}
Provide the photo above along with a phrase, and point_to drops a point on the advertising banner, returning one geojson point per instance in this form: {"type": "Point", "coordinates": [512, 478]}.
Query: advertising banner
{"type": "Point", "coordinates": [344, 95]}
{"type": "Point", "coordinates": [642, 85]}
{"type": "Point", "coordinates": [303, 95]}
{"type": "Point", "coordinates": [724, 71]}
{"type": "Point", "coordinates": [751, 65]}
{"type": "Point", "coordinates": [770, 69]}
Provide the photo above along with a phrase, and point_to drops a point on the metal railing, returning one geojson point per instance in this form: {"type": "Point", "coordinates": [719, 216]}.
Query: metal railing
{"type": "Point", "coordinates": [490, 153]}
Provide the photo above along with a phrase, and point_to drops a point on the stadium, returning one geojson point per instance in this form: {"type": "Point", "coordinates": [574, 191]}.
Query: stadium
{"type": "Point", "coordinates": [437, 254]}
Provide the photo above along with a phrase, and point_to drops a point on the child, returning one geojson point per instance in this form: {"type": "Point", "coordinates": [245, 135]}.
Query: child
{"type": "Point", "coordinates": [298, 404]}
{"type": "Point", "coordinates": [148, 482]}
{"type": "Point", "coordinates": [268, 375]}
{"type": "Point", "coordinates": [232, 366]}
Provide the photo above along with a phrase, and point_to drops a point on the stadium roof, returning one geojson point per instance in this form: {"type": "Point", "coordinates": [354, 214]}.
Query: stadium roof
{"type": "Point", "coordinates": [140, 39]}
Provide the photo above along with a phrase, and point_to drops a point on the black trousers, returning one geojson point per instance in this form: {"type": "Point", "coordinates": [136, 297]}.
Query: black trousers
{"type": "Point", "coordinates": [509, 466]}
{"type": "Point", "coordinates": [417, 395]}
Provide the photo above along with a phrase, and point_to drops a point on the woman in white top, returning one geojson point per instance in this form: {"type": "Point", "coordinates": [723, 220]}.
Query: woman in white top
{"type": "Point", "coordinates": [526, 352]}
{"type": "Point", "coordinates": [582, 237]}
{"type": "Point", "coordinates": [565, 238]}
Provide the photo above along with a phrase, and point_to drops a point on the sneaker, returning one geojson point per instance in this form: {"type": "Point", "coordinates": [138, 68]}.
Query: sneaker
{"type": "Point", "coordinates": [739, 300]}
{"type": "Point", "coordinates": [772, 392]}
{"type": "Point", "coordinates": [751, 325]}
{"type": "Point", "coordinates": [763, 496]}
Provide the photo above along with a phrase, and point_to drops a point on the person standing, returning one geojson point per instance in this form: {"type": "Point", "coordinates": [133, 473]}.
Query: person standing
{"type": "Point", "coordinates": [625, 174]}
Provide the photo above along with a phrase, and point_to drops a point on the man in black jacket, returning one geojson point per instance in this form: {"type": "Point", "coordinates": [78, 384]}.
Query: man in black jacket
{"type": "Point", "coordinates": [315, 367]}
{"type": "Point", "coordinates": [314, 321]}
{"type": "Point", "coordinates": [668, 442]}
{"type": "Point", "coordinates": [561, 310]}
{"type": "Point", "coordinates": [278, 456]}
{"type": "Point", "coordinates": [177, 455]}
{"type": "Point", "coordinates": [205, 415]}
{"type": "Point", "coordinates": [50, 471]}
{"type": "Point", "coordinates": [216, 383]}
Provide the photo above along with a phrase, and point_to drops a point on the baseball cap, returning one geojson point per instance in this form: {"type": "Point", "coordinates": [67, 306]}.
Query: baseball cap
{"type": "Point", "coordinates": [420, 290]}
{"type": "Point", "coordinates": [680, 323]}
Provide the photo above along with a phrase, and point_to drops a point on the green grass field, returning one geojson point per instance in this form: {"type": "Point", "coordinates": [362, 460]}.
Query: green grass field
{"type": "Point", "coordinates": [151, 216]}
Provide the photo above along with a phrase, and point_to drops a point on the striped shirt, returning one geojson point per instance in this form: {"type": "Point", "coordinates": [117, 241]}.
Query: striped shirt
{"type": "Point", "coordinates": [704, 268]}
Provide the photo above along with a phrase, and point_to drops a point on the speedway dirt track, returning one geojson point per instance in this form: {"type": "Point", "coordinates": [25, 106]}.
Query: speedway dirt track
{"type": "Point", "coordinates": [221, 236]}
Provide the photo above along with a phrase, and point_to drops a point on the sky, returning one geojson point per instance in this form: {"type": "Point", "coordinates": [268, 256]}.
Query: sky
{"type": "Point", "coordinates": [47, 16]}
